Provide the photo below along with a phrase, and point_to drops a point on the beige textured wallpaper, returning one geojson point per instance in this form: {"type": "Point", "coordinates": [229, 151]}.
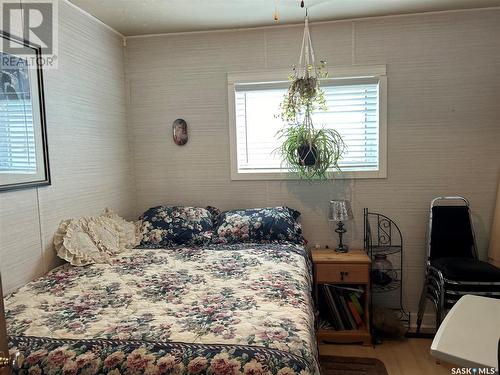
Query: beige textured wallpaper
{"type": "Point", "coordinates": [88, 148]}
{"type": "Point", "coordinates": [110, 115]}
{"type": "Point", "coordinates": [443, 74]}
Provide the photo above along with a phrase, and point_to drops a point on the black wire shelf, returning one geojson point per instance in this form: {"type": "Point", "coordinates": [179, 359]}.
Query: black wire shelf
{"type": "Point", "coordinates": [383, 241]}
{"type": "Point", "coordinates": [386, 249]}
{"type": "Point", "coordinates": [393, 285]}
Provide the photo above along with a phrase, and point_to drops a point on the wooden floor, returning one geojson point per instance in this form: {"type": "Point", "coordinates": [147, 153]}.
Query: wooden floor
{"type": "Point", "coordinates": [408, 357]}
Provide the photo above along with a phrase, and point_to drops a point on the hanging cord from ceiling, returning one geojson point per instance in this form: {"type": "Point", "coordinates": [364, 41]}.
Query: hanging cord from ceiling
{"type": "Point", "coordinates": [276, 11]}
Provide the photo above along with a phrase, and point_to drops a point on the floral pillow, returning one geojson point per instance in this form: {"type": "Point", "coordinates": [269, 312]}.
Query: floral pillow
{"type": "Point", "coordinates": [272, 224]}
{"type": "Point", "coordinates": [164, 226]}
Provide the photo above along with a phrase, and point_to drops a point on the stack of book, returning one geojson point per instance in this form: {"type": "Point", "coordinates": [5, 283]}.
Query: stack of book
{"type": "Point", "coordinates": [342, 307]}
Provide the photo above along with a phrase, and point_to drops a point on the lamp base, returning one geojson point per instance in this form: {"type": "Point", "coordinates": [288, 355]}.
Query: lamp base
{"type": "Point", "coordinates": [342, 248]}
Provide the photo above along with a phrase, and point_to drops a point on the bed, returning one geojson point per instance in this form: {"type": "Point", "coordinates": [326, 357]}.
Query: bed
{"type": "Point", "coordinates": [217, 309]}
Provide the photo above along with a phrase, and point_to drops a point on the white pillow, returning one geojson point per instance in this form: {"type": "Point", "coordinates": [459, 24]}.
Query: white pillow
{"type": "Point", "coordinates": [74, 244]}
{"type": "Point", "coordinates": [106, 234]}
{"type": "Point", "coordinates": [93, 239]}
{"type": "Point", "coordinates": [130, 230]}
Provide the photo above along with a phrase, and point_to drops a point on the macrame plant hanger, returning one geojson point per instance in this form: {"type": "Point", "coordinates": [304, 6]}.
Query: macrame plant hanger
{"type": "Point", "coordinates": [307, 60]}
{"type": "Point", "coordinates": [307, 69]}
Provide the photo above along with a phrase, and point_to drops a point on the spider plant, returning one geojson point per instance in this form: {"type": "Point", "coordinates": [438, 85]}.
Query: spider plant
{"type": "Point", "coordinates": [309, 152]}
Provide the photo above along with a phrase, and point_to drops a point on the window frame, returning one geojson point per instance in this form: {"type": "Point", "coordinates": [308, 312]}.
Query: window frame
{"type": "Point", "coordinates": [14, 181]}
{"type": "Point", "coordinates": [354, 71]}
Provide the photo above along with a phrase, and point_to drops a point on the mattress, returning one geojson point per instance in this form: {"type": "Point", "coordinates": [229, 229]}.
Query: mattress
{"type": "Point", "coordinates": [230, 309]}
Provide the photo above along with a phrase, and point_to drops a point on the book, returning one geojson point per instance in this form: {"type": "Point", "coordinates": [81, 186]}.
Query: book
{"type": "Point", "coordinates": [355, 314]}
{"type": "Point", "coordinates": [348, 288]}
{"type": "Point", "coordinates": [357, 304]}
{"type": "Point", "coordinates": [329, 312]}
{"type": "Point", "coordinates": [348, 314]}
{"type": "Point", "coordinates": [334, 315]}
{"type": "Point", "coordinates": [323, 306]}
{"type": "Point", "coordinates": [344, 315]}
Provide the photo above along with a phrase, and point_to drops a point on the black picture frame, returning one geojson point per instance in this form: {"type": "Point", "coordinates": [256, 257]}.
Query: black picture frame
{"type": "Point", "coordinates": [37, 53]}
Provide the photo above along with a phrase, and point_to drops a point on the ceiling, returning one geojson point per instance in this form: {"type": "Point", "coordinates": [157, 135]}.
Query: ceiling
{"type": "Point", "coordinates": [139, 17]}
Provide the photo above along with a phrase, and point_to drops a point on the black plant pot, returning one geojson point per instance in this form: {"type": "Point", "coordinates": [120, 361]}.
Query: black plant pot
{"type": "Point", "coordinates": [308, 155]}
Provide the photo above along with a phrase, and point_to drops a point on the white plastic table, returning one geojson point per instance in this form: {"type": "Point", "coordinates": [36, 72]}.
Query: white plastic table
{"type": "Point", "coordinates": [469, 334]}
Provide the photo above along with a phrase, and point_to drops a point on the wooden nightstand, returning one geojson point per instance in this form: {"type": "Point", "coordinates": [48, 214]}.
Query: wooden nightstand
{"type": "Point", "coordinates": [353, 269]}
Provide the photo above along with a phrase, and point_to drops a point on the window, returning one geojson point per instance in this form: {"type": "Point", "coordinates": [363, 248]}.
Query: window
{"type": "Point", "coordinates": [23, 141]}
{"type": "Point", "coordinates": [17, 136]}
{"type": "Point", "coordinates": [356, 109]}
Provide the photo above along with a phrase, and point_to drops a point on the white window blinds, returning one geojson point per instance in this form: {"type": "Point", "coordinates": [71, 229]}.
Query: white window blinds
{"type": "Point", "coordinates": [353, 110]}
{"type": "Point", "coordinates": [17, 138]}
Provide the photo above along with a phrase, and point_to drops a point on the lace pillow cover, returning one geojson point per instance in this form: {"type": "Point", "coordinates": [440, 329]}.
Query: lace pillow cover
{"type": "Point", "coordinates": [93, 239]}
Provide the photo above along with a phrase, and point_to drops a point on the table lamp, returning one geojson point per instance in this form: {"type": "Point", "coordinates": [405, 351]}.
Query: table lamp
{"type": "Point", "coordinates": [340, 211]}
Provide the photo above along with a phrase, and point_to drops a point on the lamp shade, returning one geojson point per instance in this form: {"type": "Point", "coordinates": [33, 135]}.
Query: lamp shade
{"type": "Point", "coordinates": [340, 211]}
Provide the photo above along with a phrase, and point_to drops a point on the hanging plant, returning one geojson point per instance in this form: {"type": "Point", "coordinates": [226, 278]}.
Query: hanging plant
{"type": "Point", "coordinates": [304, 91]}
{"type": "Point", "coordinates": [309, 152]}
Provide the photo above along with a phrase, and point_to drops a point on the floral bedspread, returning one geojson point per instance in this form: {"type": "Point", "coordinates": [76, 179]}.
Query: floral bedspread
{"type": "Point", "coordinates": [231, 309]}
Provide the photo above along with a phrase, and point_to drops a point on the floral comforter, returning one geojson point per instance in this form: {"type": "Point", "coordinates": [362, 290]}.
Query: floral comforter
{"type": "Point", "coordinates": [222, 310]}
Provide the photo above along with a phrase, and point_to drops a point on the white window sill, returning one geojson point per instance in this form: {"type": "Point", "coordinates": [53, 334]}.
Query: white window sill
{"type": "Point", "coordinates": [272, 176]}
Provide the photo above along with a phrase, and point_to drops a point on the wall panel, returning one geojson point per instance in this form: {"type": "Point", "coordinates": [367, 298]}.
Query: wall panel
{"type": "Point", "coordinates": [89, 152]}
{"type": "Point", "coordinates": [443, 120]}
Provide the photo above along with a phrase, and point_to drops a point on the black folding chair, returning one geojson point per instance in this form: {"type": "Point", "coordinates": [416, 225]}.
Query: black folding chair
{"type": "Point", "coordinates": [453, 268]}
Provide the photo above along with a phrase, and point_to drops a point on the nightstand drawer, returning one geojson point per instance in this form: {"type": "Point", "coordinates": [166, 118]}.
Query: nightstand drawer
{"type": "Point", "coordinates": [342, 273]}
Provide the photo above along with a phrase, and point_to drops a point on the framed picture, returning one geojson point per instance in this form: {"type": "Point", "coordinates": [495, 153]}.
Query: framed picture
{"type": "Point", "coordinates": [24, 158]}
